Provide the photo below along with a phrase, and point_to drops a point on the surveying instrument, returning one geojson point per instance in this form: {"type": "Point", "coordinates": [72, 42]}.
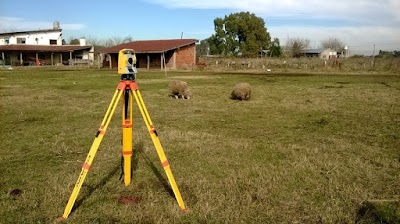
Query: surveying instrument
{"type": "Point", "coordinates": [127, 89]}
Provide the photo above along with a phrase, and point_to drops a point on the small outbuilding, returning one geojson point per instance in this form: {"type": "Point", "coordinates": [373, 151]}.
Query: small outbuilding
{"type": "Point", "coordinates": [322, 53]}
{"type": "Point", "coordinates": [154, 54]}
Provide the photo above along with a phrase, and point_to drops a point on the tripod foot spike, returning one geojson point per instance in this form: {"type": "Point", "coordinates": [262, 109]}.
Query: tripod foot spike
{"type": "Point", "coordinates": [61, 219]}
{"type": "Point", "coordinates": [185, 210]}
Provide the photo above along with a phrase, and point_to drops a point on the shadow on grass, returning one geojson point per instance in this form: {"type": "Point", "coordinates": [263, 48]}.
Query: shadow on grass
{"type": "Point", "coordinates": [113, 172]}
{"type": "Point", "coordinates": [379, 211]}
{"type": "Point", "coordinates": [159, 176]}
{"type": "Point", "coordinates": [137, 150]}
{"type": "Point", "coordinates": [91, 189]}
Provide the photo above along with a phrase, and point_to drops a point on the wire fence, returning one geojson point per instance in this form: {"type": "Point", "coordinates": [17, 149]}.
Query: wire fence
{"type": "Point", "coordinates": [352, 64]}
{"type": "Point", "coordinates": [371, 49]}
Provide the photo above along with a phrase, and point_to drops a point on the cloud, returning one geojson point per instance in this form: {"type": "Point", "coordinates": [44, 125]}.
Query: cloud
{"type": "Point", "coordinates": [10, 24]}
{"type": "Point", "coordinates": [361, 11]}
{"type": "Point", "coordinates": [361, 40]}
{"type": "Point", "coordinates": [395, 7]}
{"type": "Point", "coordinates": [72, 26]}
{"type": "Point", "coordinates": [358, 23]}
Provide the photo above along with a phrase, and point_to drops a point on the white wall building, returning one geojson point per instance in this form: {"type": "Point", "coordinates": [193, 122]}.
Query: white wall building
{"type": "Point", "coordinates": [41, 37]}
{"type": "Point", "coordinates": [42, 47]}
{"type": "Point", "coordinates": [34, 37]}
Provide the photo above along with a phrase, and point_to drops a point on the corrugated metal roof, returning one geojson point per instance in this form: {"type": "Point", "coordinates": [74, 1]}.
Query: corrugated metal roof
{"type": "Point", "coordinates": [311, 51]}
{"type": "Point", "coordinates": [42, 48]}
{"type": "Point", "coordinates": [151, 46]}
{"type": "Point", "coordinates": [31, 31]}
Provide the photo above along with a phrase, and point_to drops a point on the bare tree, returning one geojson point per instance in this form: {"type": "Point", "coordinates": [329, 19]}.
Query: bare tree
{"type": "Point", "coordinates": [295, 46]}
{"type": "Point", "coordinates": [332, 43]}
{"type": "Point", "coordinates": [113, 41]}
{"type": "Point", "coordinates": [94, 41]}
{"type": "Point", "coordinates": [128, 39]}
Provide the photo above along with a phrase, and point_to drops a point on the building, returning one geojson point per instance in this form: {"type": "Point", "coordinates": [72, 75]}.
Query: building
{"type": "Point", "coordinates": [324, 54]}
{"type": "Point", "coordinates": [330, 54]}
{"type": "Point", "coordinates": [158, 54]}
{"type": "Point", "coordinates": [311, 52]}
{"type": "Point", "coordinates": [42, 47]}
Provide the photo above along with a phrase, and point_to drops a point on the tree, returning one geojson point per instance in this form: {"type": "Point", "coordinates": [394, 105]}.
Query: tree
{"type": "Point", "coordinates": [94, 41]}
{"type": "Point", "coordinates": [275, 49]}
{"type": "Point", "coordinates": [202, 48]}
{"type": "Point", "coordinates": [295, 46]}
{"type": "Point", "coordinates": [332, 43]}
{"type": "Point", "coordinates": [113, 41]}
{"type": "Point", "coordinates": [217, 41]}
{"type": "Point", "coordinates": [389, 54]}
{"type": "Point", "coordinates": [239, 34]}
{"type": "Point", "coordinates": [127, 39]}
{"type": "Point", "coordinates": [74, 41]}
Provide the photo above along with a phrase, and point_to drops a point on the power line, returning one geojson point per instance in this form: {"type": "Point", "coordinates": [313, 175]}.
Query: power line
{"type": "Point", "coordinates": [369, 45]}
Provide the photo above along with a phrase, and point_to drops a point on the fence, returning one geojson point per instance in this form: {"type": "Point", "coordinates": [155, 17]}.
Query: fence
{"type": "Point", "coordinates": [306, 64]}
{"type": "Point", "coordinates": [80, 62]}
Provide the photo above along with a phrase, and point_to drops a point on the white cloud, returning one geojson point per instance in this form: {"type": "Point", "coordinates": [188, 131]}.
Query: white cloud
{"type": "Point", "coordinates": [355, 10]}
{"type": "Point", "coordinates": [361, 40]}
{"type": "Point", "coordinates": [395, 7]}
{"type": "Point", "coordinates": [72, 26]}
{"type": "Point", "coordinates": [358, 23]}
{"type": "Point", "coordinates": [10, 24]}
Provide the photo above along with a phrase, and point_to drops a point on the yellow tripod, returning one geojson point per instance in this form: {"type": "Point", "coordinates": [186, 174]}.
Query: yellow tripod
{"type": "Point", "coordinates": [126, 89]}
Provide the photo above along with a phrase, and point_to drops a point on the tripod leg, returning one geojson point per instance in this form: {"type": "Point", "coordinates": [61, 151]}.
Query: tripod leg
{"type": "Point", "coordinates": [92, 152]}
{"type": "Point", "coordinates": [157, 144]}
{"type": "Point", "coordinates": [127, 135]}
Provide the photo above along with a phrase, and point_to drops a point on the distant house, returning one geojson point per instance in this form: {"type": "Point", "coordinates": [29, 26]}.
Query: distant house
{"type": "Point", "coordinates": [150, 54]}
{"type": "Point", "coordinates": [311, 52]}
{"type": "Point", "coordinates": [265, 53]}
{"type": "Point", "coordinates": [41, 47]}
{"type": "Point", "coordinates": [324, 54]}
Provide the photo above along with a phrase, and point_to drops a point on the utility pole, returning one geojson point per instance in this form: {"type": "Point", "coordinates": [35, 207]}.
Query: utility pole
{"type": "Point", "coordinates": [373, 59]}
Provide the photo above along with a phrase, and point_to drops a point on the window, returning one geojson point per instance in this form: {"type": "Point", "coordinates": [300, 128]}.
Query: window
{"type": "Point", "coordinates": [53, 42]}
{"type": "Point", "coordinates": [7, 40]}
{"type": "Point", "coordinates": [21, 40]}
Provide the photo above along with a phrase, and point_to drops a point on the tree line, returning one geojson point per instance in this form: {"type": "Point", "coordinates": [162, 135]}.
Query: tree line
{"type": "Point", "coordinates": [244, 34]}
{"type": "Point", "coordinates": [241, 34]}
{"type": "Point", "coordinates": [389, 54]}
{"type": "Point", "coordinates": [100, 43]}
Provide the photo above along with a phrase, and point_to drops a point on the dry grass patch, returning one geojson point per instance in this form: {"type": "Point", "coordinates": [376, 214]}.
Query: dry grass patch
{"type": "Point", "coordinates": [194, 76]}
{"type": "Point", "coordinates": [304, 149]}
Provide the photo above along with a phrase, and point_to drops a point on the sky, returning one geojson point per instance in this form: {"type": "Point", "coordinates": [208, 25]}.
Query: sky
{"type": "Point", "coordinates": [362, 25]}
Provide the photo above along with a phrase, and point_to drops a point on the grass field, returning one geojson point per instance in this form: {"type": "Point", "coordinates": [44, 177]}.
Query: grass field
{"type": "Point", "coordinates": [304, 149]}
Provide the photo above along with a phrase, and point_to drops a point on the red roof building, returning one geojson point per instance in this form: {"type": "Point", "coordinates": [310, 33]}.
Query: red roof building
{"type": "Point", "coordinates": [22, 54]}
{"type": "Point", "coordinates": [171, 54]}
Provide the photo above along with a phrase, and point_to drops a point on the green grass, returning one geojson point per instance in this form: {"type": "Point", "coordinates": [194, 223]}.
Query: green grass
{"type": "Point", "coordinates": [304, 149]}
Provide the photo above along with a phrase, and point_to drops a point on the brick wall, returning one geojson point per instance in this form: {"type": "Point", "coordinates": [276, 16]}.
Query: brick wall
{"type": "Point", "coordinates": [186, 57]}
